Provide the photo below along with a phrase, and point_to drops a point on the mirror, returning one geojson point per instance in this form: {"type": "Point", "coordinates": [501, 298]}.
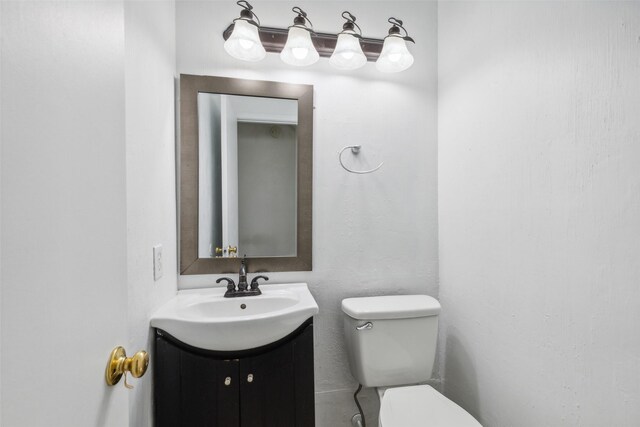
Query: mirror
{"type": "Point", "coordinates": [245, 175]}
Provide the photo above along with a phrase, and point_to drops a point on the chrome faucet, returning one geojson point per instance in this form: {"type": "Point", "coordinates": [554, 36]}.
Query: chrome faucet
{"type": "Point", "coordinates": [244, 289]}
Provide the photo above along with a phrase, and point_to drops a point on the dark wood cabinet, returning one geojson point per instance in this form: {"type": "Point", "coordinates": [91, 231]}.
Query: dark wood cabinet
{"type": "Point", "coordinates": [271, 386]}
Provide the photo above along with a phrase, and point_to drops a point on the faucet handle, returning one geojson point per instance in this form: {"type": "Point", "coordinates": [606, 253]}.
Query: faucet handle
{"type": "Point", "coordinates": [254, 282]}
{"type": "Point", "coordinates": [231, 285]}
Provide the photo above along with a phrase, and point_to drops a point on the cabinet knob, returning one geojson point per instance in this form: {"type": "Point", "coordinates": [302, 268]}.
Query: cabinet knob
{"type": "Point", "coordinates": [227, 381]}
{"type": "Point", "coordinates": [250, 378]}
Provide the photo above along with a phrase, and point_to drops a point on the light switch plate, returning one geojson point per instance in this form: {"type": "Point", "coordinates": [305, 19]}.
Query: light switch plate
{"type": "Point", "coordinates": [157, 262]}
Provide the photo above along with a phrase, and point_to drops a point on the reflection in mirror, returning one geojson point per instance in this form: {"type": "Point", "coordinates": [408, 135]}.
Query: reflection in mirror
{"type": "Point", "coordinates": [247, 176]}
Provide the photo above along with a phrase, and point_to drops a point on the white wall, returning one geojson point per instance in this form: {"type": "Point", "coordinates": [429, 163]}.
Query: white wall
{"type": "Point", "coordinates": [229, 172]}
{"type": "Point", "coordinates": [539, 210]}
{"type": "Point", "coordinates": [210, 174]}
{"type": "Point", "coordinates": [269, 110]}
{"type": "Point", "coordinates": [0, 226]}
{"type": "Point", "coordinates": [63, 212]}
{"type": "Point", "coordinates": [150, 168]}
{"type": "Point", "coordinates": [79, 235]}
{"type": "Point", "coordinates": [373, 234]}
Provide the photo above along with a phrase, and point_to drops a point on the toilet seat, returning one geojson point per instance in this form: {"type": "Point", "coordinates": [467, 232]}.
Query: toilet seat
{"type": "Point", "coordinates": [421, 406]}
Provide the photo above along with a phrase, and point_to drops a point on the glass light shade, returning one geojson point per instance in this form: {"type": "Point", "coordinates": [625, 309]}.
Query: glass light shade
{"type": "Point", "coordinates": [395, 56]}
{"type": "Point", "coordinates": [348, 53]}
{"type": "Point", "coordinates": [299, 49]}
{"type": "Point", "coordinates": [244, 42]}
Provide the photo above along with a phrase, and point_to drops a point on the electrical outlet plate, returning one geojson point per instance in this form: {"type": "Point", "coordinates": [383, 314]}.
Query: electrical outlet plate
{"type": "Point", "coordinates": [157, 262]}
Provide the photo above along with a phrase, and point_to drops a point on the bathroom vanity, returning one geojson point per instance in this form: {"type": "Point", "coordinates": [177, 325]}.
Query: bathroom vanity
{"type": "Point", "coordinates": [235, 362]}
{"type": "Point", "coordinates": [268, 386]}
{"type": "Point", "coordinates": [248, 360]}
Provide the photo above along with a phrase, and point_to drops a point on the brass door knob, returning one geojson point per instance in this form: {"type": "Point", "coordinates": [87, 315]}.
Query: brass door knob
{"type": "Point", "coordinates": [119, 364]}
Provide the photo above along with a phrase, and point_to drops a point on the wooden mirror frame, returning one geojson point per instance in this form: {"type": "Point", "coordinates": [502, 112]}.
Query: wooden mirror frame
{"type": "Point", "coordinates": [190, 86]}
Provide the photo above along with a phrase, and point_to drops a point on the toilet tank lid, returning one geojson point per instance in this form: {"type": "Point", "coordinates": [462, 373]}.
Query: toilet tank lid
{"type": "Point", "coordinates": [391, 307]}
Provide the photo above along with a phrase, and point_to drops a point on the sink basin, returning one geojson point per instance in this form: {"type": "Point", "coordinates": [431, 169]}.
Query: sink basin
{"type": "Point", "coordinates": [204, 318]}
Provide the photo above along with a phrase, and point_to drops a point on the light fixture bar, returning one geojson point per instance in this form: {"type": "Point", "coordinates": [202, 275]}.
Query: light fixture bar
{"type": "Point", "coordinates": [274, 39]}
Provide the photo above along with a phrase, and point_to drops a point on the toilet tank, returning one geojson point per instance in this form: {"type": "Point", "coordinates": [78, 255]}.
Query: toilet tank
{"type": "Point", "coordinates": [391, 340]}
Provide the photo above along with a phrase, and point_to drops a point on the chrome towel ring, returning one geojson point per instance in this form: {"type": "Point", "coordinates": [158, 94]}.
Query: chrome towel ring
{"type": "Point", "coordinates": [355, 149]}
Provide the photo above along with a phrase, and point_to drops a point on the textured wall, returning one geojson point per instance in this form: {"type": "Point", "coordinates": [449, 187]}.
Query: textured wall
{"type": "Point", "coordinates": [150, 159]}
{"type": "Point", "coordinates": [373, 234]}
{"type": "Point", "coordinates": [539, 211]}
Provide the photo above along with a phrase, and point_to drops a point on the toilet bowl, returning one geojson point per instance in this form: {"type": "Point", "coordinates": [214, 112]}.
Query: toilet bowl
{"type": "Point", "coordinates": [391, 342]}
{"type": "Point", "coordinates": [420, 406]}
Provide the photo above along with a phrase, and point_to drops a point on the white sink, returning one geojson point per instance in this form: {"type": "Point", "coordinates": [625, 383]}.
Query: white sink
{"type": "Point", "coordinates": [204, 318]}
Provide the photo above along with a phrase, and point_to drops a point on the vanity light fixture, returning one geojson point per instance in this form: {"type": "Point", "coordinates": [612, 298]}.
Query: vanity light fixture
{"type": "Point", "coordinates": [244, 42]}
{"type": "Point", "coordinates": [348, 53]}
{"type": "Point", "coordinates": [300, 45]}
{"type": "Point", "coordinates": [299, 49]}
{"type": "Point", "coordinates": [395, 56]}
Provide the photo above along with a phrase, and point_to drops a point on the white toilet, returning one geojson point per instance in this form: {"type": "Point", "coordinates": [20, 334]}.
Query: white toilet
{"type": "Point", "coordinates": [391, 342]}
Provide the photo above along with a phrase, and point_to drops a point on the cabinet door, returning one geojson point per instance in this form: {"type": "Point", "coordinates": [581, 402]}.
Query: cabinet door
{"type": "Point", "coordinates": [304, 379]}
{"type": "Point", "coordinates": [276, 388]}
{"type": "Point", "coordinates": [193, 390]}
